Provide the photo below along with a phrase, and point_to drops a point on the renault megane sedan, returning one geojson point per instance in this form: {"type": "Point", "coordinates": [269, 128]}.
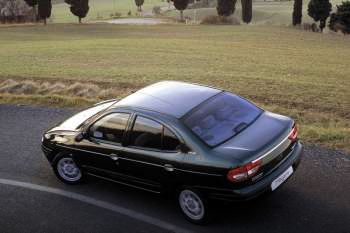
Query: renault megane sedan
{"type": "Point", "coordinates": [198, 142]}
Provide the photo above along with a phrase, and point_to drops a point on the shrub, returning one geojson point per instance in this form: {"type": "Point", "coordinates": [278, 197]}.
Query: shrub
{"type": "Point", "coordinates": [156, 10]}
{"type": "Point", "coordinates": [115, 15]}
{"type": "Point", "coordinates": [226, 7]}
{"type": "Point", "coordinates": [340, 20]}
{"type": "Point", "coordinates": [220, 20]}
{"type": "Point", "coordinates": [310, 27]}
{"type": "Point", "coordinates": [319, 10]}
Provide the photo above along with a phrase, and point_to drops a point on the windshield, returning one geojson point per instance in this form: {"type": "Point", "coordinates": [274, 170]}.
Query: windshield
{"type": "Point", "coordinates": [75, 121]}
{"type": "Point", "coordinates": [221, 117]}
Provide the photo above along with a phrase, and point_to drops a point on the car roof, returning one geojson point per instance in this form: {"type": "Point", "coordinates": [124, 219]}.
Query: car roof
{"type": "Point", "coordinates": [169, 97]}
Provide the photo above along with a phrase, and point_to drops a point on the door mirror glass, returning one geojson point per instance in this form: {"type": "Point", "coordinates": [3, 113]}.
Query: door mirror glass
{"type": "Point", "coordinates": [80, 136]}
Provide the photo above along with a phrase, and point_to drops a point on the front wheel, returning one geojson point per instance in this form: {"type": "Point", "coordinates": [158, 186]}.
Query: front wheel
{"type": "Point", "coordinates": [67, 170]}
{"type": "Point", "coordinates": [193, 206]}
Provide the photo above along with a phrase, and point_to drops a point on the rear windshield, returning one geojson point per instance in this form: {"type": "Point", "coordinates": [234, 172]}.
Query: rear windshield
{"type": "Point", "coordinates": [221, 117]}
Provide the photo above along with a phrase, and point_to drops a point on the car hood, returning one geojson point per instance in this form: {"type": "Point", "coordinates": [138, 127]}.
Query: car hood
{"type": "Point", "coordinates": [264, 134]}
{"type": "Point", "coordinates": [72, 123]}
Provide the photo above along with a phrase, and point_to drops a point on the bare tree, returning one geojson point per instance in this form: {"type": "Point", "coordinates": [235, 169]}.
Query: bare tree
{"type": "Point", "coordinates": [13, 11]}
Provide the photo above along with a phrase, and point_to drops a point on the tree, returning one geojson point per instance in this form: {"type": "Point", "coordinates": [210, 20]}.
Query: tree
{"type": "Point", "coordinates": [181, 5]}
{"type": "Point", "coordinates": [340, 20]}
{"type": "Point", "coordinates": [247, 10]}
{"type": "Point", "coordinates": [13, 11]}
{"type": "Point", "coordinates": [297, 12]}
{"type": "Point", "coordinates": [79, 8]}
{"type": "Point", "coordinates": [226, 7]}
{"type": "Point", "coordinates": [33, 4]}
{"type": "Point", "coordinates": [139, 4]}
{"type": "Point", "coordinates": [319, 10]}
{"type": "Point", "coordinates": [44, 9]}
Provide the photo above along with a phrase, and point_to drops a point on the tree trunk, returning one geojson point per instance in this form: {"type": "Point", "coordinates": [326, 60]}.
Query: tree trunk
{"type": "Point", "coordinates": [322, 25]}
{"type": "Point", "coordinates": [79, 19]}
{"type": "Point", "coordinates": [297, 12]}
{"type": "Point", "coordinates": [181, 16]}
{"type": "Point", "coordinates": [45, 21]}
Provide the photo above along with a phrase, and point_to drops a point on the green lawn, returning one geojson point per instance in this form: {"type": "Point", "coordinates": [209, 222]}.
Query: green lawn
{"type": "Point", "coordinates": [302, 74]}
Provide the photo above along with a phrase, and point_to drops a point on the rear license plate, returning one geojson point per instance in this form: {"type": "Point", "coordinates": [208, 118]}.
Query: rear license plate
{"type": "Point", "coordinates": [283, 177]}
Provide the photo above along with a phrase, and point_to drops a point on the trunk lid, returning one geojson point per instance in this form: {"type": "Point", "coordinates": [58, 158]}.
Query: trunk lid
{"type": "Point", "coordinates": [266, 138]}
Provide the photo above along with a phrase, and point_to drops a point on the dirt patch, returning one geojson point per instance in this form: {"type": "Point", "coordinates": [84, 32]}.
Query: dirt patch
{"type": "Point", "coordinates": [76, 89]}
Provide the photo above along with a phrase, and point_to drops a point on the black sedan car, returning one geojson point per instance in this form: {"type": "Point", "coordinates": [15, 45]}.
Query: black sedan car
{"type": "Point", "coordinates": [198, 142]}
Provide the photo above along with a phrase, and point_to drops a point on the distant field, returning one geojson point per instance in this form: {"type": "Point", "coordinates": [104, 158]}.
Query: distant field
{"type": "Point", "coordinates": [269, 13]}
{"type": "Point", "coordinates": [302, 74]}
{"type": "Point", "coordinates": [101, 9]}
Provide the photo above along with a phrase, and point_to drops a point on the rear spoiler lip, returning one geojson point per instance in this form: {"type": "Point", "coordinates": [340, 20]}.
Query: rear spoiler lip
{"type": "Point", "coordinates": [272, 149]}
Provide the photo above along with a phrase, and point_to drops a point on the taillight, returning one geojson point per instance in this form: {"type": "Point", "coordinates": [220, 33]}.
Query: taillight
{"type": "Point", "coordinates": [293, 135]}
{"type": "Point", "coordinates": [244, 172]}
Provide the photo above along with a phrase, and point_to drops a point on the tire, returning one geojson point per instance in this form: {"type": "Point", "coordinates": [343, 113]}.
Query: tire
{"type": "Point", "coordinates": [67, 170]}
{"type": "Point", "coordinates": [193, 205]}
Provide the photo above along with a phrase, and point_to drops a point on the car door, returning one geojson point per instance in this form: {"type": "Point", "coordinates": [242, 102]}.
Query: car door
{"type": "Point", "coordinates": [99, 151]}
{"type": "Point", "coordinates": [151, 155]}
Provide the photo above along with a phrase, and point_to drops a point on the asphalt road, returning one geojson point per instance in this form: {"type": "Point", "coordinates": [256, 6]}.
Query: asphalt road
{"type": "Point", "coordinates": [315, 199]}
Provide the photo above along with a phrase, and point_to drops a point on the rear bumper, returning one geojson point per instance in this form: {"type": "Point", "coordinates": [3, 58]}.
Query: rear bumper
{"type": "Point", "coordinates": [263, 185]}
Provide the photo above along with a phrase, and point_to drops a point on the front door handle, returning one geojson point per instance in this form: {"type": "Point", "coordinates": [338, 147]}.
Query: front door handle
{"type": "Point", "coordinates": [168, 167]}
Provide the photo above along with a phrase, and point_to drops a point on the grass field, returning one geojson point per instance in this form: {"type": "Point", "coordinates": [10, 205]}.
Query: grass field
{"type": "Point", "coordinates": [302, 74]}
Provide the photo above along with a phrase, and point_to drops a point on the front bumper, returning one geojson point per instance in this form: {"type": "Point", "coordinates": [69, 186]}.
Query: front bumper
{"type": "Point", "coordinates": [263, 185]}
{"type": "Point", "coordinates": [48, 152]}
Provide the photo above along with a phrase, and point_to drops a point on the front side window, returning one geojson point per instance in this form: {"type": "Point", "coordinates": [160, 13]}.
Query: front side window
{"type": "Point", "coordinates": [110, 128]}
{"type": "Point", "coordinates": [221, 117]}
{"type": "Point", "coordinates": [147, 133]}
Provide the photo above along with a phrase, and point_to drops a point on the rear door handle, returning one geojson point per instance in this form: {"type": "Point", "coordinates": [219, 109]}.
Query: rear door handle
{"type": "Point", "coordinates": [114, 157]}
{"type": "Point", "coordinates": [168, 167]}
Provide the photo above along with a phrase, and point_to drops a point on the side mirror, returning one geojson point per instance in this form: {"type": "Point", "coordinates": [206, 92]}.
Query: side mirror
{"type": "Point", "coordinates": [184, 148]}
{"type": "Point", "coordinates": [80, 136]}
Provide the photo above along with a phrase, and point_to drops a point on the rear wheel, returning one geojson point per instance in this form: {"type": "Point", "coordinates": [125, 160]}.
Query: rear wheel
{"type": "Point", "coordinates": [193, 206]}
{"type": "Point", "coordinates": [67, 170]}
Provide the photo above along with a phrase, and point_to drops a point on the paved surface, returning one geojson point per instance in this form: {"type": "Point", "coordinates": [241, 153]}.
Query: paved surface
{"type": "Point", "coordinates": [315, 199]}
{"type": "Point", "coordinates": [138, 21]}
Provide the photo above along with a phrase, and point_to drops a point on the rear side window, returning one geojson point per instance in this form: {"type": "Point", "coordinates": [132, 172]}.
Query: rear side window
{"type": "Point", "coordinates": [110, 128]}
{"type": "Point", "coordinates": [147, 133]}
{"type": "Point", "coordinates": [170, 141]}
{"type": "Point", "coordinates": [221, 117]}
